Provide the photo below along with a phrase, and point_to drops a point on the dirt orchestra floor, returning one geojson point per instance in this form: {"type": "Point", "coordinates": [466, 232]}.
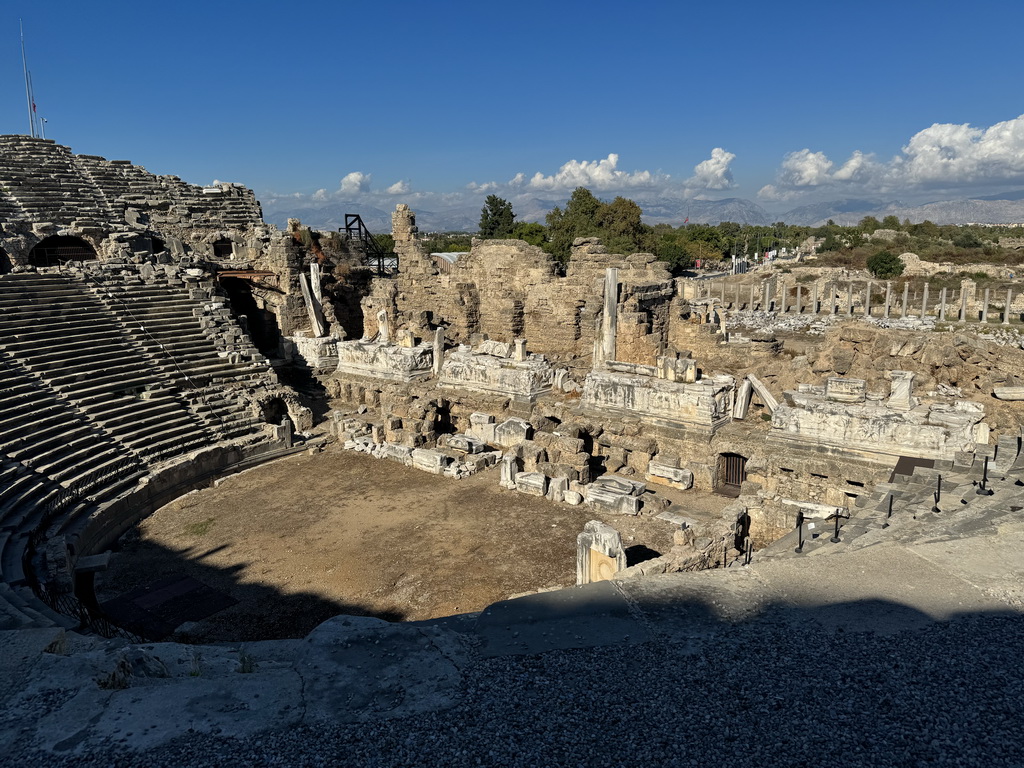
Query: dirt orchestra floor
{"type": "Point", "coordinates": [299, 540]}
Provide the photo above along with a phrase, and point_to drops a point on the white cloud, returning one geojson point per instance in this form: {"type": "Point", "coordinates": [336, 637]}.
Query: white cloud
{"type": "Point", "coordinates": [950, 153]}
{"type": "Point", "coordinates": [490, 186]}
{"type": "Point", "coordinates": [320, 195]}
{"type": "Point", "coordinates": [599, 174]}
{"type": "Point", "coordinates": [944, 155]}
{"type": "Point", "coordinates": [518, 180]}
{"type": "Point", "coordinates": [356, 182]}
{"type": "Point", "coordinates": [713, 173]}
{"type": "Point", "coordinates": [399, 188]}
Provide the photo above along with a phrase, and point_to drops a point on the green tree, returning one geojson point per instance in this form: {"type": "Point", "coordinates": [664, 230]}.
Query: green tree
{"type": "Point", "coordinates": [530, 231]}
{"type": "Point", "coordinates": [966, 239]}
{"type": "Point", "coordinates": [885, 265]}
{"type": "Point", "coordinates": [890, 222]}
{"type": "Point", "coordinates": [579, 219]}
{"type": "Point", "coordinates": [496, 218]}
{"type": "Point", "coordinates": [620, 226]}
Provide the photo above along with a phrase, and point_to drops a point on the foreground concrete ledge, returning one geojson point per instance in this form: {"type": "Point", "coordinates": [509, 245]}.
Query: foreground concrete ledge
{"type": "Point", "coordinates": [71, 695]}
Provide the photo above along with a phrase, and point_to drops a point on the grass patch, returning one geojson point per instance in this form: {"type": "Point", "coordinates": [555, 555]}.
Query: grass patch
{"type": "Point", "coordinates": [201, 528]}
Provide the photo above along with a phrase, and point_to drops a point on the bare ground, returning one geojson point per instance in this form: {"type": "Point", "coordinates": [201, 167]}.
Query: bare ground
{"type": "Point", "coordinates": [306, 538]}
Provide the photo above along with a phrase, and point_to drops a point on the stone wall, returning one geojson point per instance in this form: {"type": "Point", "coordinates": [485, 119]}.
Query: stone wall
{"type": "Point", "coordinates": [508, 289]}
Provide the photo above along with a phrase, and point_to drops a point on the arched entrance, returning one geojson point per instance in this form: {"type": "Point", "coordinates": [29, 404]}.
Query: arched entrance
{"type": "Point", "coordinates": [60, 249]}
{"type": "Point", "coordinates": [259, 323]}
{"type": "Point", "coordinates": [732, 471]}
{"type": "Point", "coordinates": [223, 249]}
{"type": "Point", "coordinates": [275, 411]}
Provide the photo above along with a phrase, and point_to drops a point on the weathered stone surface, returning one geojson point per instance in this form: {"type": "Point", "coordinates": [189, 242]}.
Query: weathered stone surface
{"type": "Point", "coordinates": [666, 474]}
{"type": "Point", "coordinates": [521, 380]}
{"type": "Point", "coordinates": [512, 432]}
{"type": "Point", "coordinates": [532, 483]}
{"type": "Point", "coordinates": [704, 406]}
{"type": "Point", "coordinates": [599, 553]}
{"type": "Point", "coordinates": [430, 460]}
{"type": "Point", "coordinates": [465, 443]}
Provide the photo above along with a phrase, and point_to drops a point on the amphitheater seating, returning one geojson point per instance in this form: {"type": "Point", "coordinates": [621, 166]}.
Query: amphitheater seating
{"type": "Point", "coordinates": [99, 384]}
{"type": "Point", "coordinates": [45, 181]}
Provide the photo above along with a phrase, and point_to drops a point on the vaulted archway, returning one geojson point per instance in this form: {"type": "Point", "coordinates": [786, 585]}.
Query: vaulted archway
{"type": "Point", "coordinates": [60, 249]}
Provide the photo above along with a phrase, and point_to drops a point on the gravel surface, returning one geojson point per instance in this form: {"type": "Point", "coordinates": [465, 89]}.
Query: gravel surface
{"type": "Point", "coordinates": [770, 692]}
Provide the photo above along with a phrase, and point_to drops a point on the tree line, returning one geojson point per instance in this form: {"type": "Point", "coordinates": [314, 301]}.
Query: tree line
{"type": "Point", "coordinates": [619, 225]}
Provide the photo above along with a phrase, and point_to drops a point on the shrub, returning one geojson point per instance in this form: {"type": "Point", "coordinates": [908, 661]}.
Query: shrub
{"type": "Point", "coordinates": [885, 265]}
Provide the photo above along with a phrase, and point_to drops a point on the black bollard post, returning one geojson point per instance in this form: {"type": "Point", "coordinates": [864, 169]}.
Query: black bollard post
{"type": "Point", "coordinates": [835, 533]}
{"type": "Point", "coordinates": [888, 514]}
{"type": "Point", "coordinates": [983, 489]}
{"type": "Point", "coordinates": [938, 495]}
{"type": "Point", "coordinates": [800, 531]}
{"type": "Point", "coordinates": [748, 550]}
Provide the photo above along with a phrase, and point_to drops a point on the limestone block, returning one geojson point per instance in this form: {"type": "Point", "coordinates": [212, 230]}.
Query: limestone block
{"type": "Point", "coordinates": [477, 419]}
{"type": "Point", "coordinates": [531, 454]}
{"type": "Point", "coordinates": [532, 483]}
{"type": "Point", "coordinates": [1008, 393]}
{"type": "Point", "coordinates": [558, 470]}
{"type": "Point", "coordinates": [572, 497]}
{"type": "Point", "coordinates": [512, 432]}
{"type": "Point", "coordinates": [615, 495]}
{"type": "Point", "coordinates": [557, 486]}
{"type": "Point", "coordinates": [842, 390]}
{"type": "Point", "coordinates": [466, 444]}
{"type": "Point", "coordinates": [509, 468]}
{"type": "Point", "coordinates": [638, 460]}
{"type": "Point", "coordinates": [483, 432]}
{"type": "Point", "coordinates": [672, 476]}
{"type": "Point", "coordinates": [400, 453]}
{"type": "Point", "coordinates": [430, 460]}
{"type": "Point", "coordinates": [599, 553]}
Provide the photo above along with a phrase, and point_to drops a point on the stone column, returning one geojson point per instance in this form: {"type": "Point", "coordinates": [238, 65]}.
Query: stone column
{"type": "Point", "coordinates": [722, 284]}
{"type": "Point", "coordinates": [984, 307]}
{"type": "Point", "coordinates": [765, 301]}
{"type": "Point", "coordinates": [438, 350]}
{"type": "Point", "coordinates": [750, 306]}
{"type": "Point", "coordinates": [888, 297]}
{"type": "Point", "coordinates": [736, 298]}
{"type": "Point", "coordinates": [799, 290]}
{"type": "Point", "coordinates": [383, 328]}
{"type": "Point", "coordinates": [906, 298]}
{"type": "Point", "coordinates": [963, 306]}
{"type": "Point", "coordinates": [814, 300]}
{"type": "Point", "coordinates": [942, 305]}
{"type": "Point", "coordinates": [1009, 301]}
{"type": "Point", "coordinates": [849, 299]}
{"type": "Point", "coordinates": [867, 300]}
{"type": "Point", "coordinates": [782, 297]}
{"type": "Point", "coordinates": [924, 302]}
{"type": "Point", "coordinates": [610, 320]}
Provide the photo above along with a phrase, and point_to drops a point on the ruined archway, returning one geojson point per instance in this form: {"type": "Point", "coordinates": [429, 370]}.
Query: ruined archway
{"type": "Point", "coordinates": [258, 322]}
{"type": "Point", "coordinates": [274, 410]}
{"type": "Point", "coordinates": [223, 249]}
{"type": "Point", "coordinates": [60, 249]}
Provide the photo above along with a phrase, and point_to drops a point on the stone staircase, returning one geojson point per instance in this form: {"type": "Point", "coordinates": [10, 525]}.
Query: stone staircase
{"type": "Point", "coordinates": [905, 510]}
{"type": "Point", "coordinates": [96, 391]}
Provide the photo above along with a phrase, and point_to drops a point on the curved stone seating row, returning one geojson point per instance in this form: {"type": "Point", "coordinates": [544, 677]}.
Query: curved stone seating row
{"type": "Point", "coordinates": [94, 395]}
{"type": "Point", "coordinates": [129, 375]}
{"type": "Point", "coordinates": [44, 180]}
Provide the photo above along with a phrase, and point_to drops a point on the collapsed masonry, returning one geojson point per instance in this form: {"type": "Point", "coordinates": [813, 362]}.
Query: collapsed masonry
{"type": "Point", "coordinates": [584, 389]}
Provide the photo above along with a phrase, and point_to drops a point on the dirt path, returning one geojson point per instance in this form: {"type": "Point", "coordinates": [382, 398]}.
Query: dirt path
{"type": "Point", "coordinates": [303, 539]}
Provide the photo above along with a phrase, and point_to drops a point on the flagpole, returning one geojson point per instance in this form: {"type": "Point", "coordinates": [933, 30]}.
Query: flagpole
{"type": "Point", "coordinates": [28, 87]}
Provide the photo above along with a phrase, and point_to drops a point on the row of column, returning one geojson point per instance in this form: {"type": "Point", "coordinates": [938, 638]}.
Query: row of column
{"type": "Point", "coordinates": [945, 308]}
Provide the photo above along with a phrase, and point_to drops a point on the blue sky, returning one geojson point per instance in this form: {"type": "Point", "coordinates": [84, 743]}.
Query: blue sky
{"type": "Point", "coordinates": [442, 103]}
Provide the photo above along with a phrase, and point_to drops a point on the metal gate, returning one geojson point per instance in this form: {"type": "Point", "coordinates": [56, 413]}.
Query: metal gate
{"type": "Point", "coordinates": [734, 472]}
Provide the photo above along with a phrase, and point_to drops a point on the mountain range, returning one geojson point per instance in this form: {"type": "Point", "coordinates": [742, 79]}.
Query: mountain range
{"type": "Point", "coordinates": [1001, 209]}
